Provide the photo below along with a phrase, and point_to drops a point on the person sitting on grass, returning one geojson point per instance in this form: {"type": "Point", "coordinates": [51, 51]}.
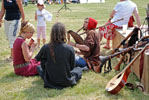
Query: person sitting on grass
{"type": "Point", "coordinates": [58, 61]}
{"type": "Point", "coordinates": [90, 49]}
{"type": "Point", "coordinates": [22, 62]}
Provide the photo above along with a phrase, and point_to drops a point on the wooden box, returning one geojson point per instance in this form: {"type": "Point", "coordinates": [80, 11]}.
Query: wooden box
{"type": "Point", "coordinates": [135, 67]}
{"type": "Point", "coordinates": [146, 71]}
{"type": "Point", "coordinates": [145, 75]}
{"type": "Point", "coordinates": [120, 36]}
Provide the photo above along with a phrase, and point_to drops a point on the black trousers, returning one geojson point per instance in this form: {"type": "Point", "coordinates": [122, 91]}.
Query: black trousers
{"type": "Point", "coordinates": [76, 72]}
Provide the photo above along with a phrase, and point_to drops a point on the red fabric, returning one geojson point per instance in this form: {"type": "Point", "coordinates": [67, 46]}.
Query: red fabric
{"type": "Point", "coordinates": [17, 52]}
{"type": "Point", "coordinates": [108, 30]}
{"type": "Point", "coordinates": [29, 70]}
{"type": "Point", "coordinates": [131, 20]}
{"type": "Point", "coordinates": [92, 24]}
{"type": "Point", "coordinates": [19, 59]}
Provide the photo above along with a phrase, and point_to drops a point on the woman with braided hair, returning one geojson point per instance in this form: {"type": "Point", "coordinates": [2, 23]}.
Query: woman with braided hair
{"type": "Point", "coordinates": [22, 62]}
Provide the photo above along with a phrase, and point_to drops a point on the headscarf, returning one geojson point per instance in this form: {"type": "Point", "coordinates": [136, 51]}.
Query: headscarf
{"type": "Point", "coordinates": [92, 23]}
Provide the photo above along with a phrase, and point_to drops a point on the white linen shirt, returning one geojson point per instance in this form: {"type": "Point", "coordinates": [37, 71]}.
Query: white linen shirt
{"type": "Point", "coordinates": [42, 16]}
{"type": "Point", "coordinates": [124, 9]}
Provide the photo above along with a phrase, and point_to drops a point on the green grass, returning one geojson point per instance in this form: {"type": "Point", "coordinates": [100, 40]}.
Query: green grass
{"type": "Point", "coordinates": [91, 86]}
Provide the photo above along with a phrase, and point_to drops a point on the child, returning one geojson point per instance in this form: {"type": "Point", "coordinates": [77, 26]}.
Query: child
{"type": "Point", "coordinates": [41, 15]}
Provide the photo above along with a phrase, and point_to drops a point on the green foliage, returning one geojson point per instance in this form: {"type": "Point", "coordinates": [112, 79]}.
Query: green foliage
{"type": "Point", "coordinates": [91, 86]}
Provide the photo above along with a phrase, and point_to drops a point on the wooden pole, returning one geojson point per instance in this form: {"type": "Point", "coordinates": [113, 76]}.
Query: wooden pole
{"type": "Point", "coordinates": [146, 69]}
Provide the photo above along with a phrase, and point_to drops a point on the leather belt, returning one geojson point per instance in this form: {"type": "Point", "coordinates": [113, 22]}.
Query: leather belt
{"type": "Point", "coordinates": [21, 65]}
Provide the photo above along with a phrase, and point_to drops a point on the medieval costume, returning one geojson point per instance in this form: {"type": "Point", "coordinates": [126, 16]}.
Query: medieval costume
{"type": "Point", "coordinates": [90, 56]}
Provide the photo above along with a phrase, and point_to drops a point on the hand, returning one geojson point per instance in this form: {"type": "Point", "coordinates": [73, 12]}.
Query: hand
{"type": "Point", "coordinates": [147, 46]}
{"type": "Point", "coordinates": [71, 43]}
{"type": "Point", "coordinates": [89, 65]}
{"type": "Point", "coordinates": [109, 19]}
{"type": "Point", "coordinates": [22, 21]}
{"type": "Point", "coordinates": [69, 31]}
{"type": "Point", "coordinates": [33, 46]}
{"type": "Point", "coordinates": [78, 53]}
{"type": "Point", "coordinates": [31, 42]}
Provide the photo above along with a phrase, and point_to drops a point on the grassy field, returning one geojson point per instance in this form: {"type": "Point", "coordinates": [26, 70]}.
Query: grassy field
{"type": "Point", "coordinates": [91, 86]}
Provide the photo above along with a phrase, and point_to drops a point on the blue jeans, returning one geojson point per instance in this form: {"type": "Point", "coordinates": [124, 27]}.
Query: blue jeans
{"type": "Point", "coordinates": [80, 62]}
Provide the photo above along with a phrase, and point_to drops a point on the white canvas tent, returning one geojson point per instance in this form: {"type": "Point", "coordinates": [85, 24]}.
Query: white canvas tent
{"type": "Point", "coordinates": [92, 1]}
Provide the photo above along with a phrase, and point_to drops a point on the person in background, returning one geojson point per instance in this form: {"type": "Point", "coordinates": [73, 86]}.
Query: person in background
{"type": "Point", "coordinates": [34, 1]}
{"type": "Point", "coordinates": [23, 63]}
{"type": "Point", "coordinates": [91, 49]}
{"type": "Point", "coordinates": [58, 61]}
{"type": "Point", "coordinates": [74, 1]}
{"type": "Point", "coordinates": [13, 11]}
{"type": "Point", "coordinates": [123, 9]}
{"type": "Point", "coordinates": [25, 3]}
{"type": "Point", "coordinates": [41, 15]}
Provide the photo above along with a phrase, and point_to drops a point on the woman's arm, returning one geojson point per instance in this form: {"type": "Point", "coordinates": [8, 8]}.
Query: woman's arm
{"type": "Point", "coordinates": [27, 53]}
{"type": "Point", "coordinates": [19, 2]}
{"type": "Point", "coordinates": [2, 12]}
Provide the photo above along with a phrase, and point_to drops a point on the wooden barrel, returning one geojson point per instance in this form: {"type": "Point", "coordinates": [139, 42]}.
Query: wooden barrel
{"type": "Point", "coordinates": [146, 69]}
